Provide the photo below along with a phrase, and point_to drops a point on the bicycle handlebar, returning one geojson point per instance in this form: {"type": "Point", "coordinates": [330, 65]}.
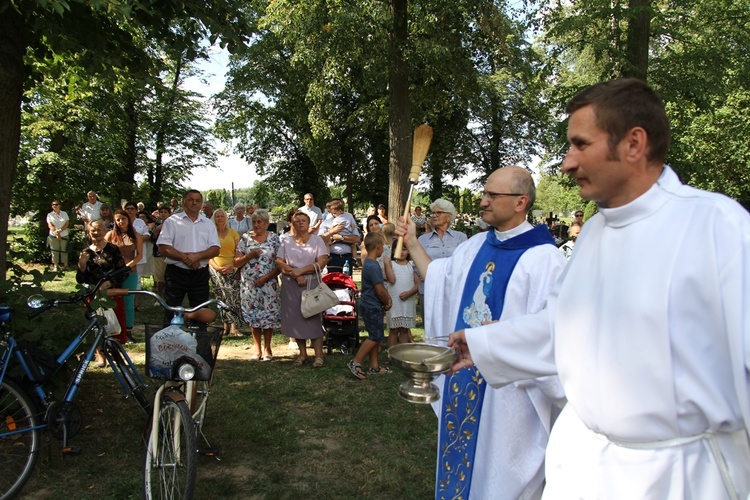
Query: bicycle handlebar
{"type": "Point", "coordinates": [38, 304]}
{"type": "Point", "coordinates": [179, 309]}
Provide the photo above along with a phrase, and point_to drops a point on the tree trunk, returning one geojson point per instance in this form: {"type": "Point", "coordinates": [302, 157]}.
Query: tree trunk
{"type": "Point", "coordinates": [166, 121]}
{"type": "Point", "coordinates": [126, 176]}
{"type": "Point", "coordinates": [12, 76]}
{"type": "Point", "coordinates": [639, 29]}
{"type": "Point", "coordinates": [399, 113]}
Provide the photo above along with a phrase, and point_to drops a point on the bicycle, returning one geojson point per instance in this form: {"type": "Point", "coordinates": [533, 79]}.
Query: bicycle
{"type": "Point", "coordinates": [184, 358]}
{"type": "Point", "coordinates": [23, 418]}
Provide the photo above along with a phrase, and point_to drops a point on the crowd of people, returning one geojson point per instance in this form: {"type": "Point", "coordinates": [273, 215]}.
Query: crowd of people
{"type": "Point", "coordinates": [260, 274]}
{"type": "Point", "coordinates": [643, 396]}
{"type": "Point", "coordinates": [245, 272]}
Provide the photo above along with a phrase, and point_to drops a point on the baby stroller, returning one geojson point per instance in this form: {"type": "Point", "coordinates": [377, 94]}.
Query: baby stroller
{"type": "Point", "coordinates": [341, 322]}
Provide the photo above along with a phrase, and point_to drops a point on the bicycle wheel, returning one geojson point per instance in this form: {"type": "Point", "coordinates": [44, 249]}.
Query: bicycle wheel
{"type": "Point", "coordinates": [171, 455]}
{"type": "Point", "coordinates": [19, 451]}
{"type": "Point", "coordinates": [124, 369]}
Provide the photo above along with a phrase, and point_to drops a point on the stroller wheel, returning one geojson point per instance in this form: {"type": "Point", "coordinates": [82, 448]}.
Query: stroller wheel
{"type": "Point", "coordinates": [346, 349]}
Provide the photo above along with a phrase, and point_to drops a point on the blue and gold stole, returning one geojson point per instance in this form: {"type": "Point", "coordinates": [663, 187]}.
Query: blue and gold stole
{"type": "Point", "coordinates": [482, 301]}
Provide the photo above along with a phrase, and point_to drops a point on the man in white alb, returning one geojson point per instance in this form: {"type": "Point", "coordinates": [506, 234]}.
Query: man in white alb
{"type": "Point", "coordinates": [648, 328]}
{"type": "Point", "coordinates": [491, 442]}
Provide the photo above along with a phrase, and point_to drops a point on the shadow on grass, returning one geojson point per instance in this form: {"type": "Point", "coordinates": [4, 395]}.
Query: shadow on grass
{"type": "Point", "coordinates": [284, 432]}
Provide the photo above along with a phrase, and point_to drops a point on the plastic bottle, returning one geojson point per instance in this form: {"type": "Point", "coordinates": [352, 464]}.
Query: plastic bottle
{"type": "Point", "coordinates": [347, 268]}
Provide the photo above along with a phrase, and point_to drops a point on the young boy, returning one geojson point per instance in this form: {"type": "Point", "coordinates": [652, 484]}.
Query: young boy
{"type": "Point", "coordinates": [373, 301]}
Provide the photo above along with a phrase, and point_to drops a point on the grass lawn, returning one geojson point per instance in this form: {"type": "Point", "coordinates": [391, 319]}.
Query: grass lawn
{"type": "Point", "coordinates": [284, 432]}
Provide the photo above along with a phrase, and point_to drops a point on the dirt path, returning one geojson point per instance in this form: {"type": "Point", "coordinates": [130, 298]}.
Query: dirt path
{"type": "Point", "coordinates": [245, 350]}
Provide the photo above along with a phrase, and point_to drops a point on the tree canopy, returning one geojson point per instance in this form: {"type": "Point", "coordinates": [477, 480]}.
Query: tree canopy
{"type": "Point", "coordinates": [323, 93]}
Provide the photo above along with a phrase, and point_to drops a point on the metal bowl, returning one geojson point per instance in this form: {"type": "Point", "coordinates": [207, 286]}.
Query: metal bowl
{"type": "Point", "coordinates": [421, 363]}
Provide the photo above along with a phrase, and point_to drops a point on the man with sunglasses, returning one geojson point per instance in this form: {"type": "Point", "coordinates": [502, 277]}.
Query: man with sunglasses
{"type": "Point", "coordinates": [491, 441]}
{"type": "Point", "coordinates": [655, 363]}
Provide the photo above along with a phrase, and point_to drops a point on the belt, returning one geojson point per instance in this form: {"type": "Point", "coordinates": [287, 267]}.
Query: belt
{"type": "Point", "coordinates": [709, 440]}
{"type": "Point", "coordinates": [187, 270]}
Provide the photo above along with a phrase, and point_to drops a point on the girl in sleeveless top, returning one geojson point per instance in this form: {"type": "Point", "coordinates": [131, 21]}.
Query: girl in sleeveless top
{"type": "Point", "coordinates": [130, 244]}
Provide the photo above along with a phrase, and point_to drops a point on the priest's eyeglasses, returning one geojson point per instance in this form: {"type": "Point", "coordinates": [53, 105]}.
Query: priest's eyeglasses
{"type": "Point", "coordinates": [491, 196]}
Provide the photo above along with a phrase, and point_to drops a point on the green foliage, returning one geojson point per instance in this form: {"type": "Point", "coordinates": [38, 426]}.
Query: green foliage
{"type": "Point", "coordinates": [94, 133]}
{"type": "Point", "coordinates": [299, 102]}
{"type": "Point", "coordinates": [722, 162]}
{"type": "Point", "coordinates": [306, 100]}
{"type": "Point", "coordinates": [262, 193]}
{"type": "Point", "coordinates": [53, 329]}
{"type": "Point", "coordinates": [697, 61]}
{"type": "Point", "coordinates": [89, 69]}
{"type": "Point", "coordinates": [590, 210]}
{"type": "Point", "coordinates": [554, 193]}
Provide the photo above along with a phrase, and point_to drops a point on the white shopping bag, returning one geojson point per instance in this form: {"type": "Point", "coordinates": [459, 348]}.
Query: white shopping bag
{"type": "Point", "coordinates": [172, 345]}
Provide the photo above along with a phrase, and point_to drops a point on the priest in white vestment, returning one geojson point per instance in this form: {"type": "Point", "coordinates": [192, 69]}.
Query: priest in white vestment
{"type": "Point", "coordinates": [491, 442]}
{"type": "Point", "coordinates": [648, 327]}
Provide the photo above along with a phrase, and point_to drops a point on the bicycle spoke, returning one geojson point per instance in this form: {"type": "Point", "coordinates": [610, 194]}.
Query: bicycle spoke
{"type": "Point", "coordinates": [19, 442]}
{"type": "Point", "coordinates": [171, 455]}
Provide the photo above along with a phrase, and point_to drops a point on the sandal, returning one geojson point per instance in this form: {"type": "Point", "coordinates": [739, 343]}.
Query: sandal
{"type": "Point", "coordinates": [356, 370]}
{"type": "Point", "coordinates": [318, 363]}
{"type": "Point", "coordinates": [300, 361]}
{"type": "Point", "coordinates": [383, 370]}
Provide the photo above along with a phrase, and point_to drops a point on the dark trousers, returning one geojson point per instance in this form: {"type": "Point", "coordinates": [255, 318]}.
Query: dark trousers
{"type": "Point", "coordinates": [337, 262]}
{"type": "Point", "coordinates": [179, 282]}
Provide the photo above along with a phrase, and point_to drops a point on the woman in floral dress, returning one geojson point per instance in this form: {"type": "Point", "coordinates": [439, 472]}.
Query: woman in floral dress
{"type": "Point", "coordinates": [256, 256]}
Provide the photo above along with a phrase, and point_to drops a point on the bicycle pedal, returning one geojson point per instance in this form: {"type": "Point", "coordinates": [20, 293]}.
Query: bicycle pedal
{"type": "Point", "coordinates": [210, 452]}
{"type": "Point", "coordinates": [71, 451]}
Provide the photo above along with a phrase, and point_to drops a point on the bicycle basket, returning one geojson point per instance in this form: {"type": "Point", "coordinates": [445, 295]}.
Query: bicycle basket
{"type": "Point", "coordinates": [169, 347]}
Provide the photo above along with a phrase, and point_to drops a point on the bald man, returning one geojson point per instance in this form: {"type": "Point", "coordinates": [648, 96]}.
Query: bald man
{"type": "Point", "coordinates": [491, 442]}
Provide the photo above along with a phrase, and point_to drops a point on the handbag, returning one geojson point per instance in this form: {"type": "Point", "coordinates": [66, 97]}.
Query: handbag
{"type": "Point", "coordinates": [318, 299]}
{"type": "Point", "coordinates": [113, 326]}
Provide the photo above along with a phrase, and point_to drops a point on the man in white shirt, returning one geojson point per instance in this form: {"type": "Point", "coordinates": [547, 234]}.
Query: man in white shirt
{"type": "Point", "coordinates": [188, 240]}
{"type": "Point", "coordinates": [648, 328]}
{"type": "Point", "coordinates": [491, 441]}
{"type": "Point", "coordinates": [316, 216]}
{"type": "Point", "coordinates": [89, 211]}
